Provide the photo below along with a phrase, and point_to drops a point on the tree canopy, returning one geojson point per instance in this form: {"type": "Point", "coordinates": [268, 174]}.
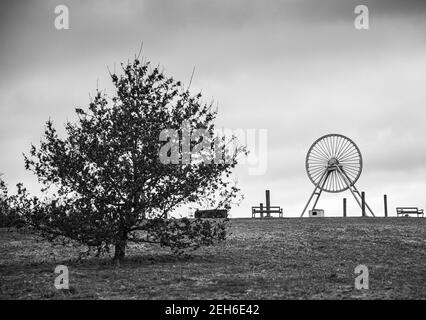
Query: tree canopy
{"type": "Point", "coordinates": [106, 182]}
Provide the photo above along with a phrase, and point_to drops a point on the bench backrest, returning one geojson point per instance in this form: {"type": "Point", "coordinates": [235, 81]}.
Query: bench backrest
{"type": "Point", "coordinates": [407, 209]}
{"type": "Point", "coordinates": [402, 210]}
{"type": "Point", "coordinates": [263, 209]}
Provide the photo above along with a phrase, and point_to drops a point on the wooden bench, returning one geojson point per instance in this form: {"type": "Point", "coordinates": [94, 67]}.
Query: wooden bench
{"type": "Point", "coordinates": [261, 210]}
{"type": "Point", "coordinates": [409, 210]}
{"type": "Point", "coordinates": [211, 214]}
{"type": "Point", "coordinates": [268, 209]}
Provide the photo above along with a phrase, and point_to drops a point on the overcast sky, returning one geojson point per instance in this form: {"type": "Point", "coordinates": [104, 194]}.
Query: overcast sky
{"type": "Point", "coordinates": [298, 68]}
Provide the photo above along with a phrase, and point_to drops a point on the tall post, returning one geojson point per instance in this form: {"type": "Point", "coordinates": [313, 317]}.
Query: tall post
{"type": "Point", "coordinates": [261, 210]}
{"type": "Point", "coordinates": [385, 199]}
{"type": "Point", "coordinates": [363, 203]}
{"type": "Point", "coordinates": [344, 207]}
{"type": "Point", "coordinates": [268, 204]}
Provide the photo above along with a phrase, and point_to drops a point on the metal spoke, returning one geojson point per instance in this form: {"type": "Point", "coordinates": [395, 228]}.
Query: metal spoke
{"type": "Point", "coordinates": [315, 157]}
{"type": "Point", "coordinates": [330, 151]}
{"type": "Point", "coordinates": [320, 151]}
{"type": "Point", "coordinates": [342, 148]}
{"type": "Point", "coordinates": [336, 144]}
{"type": "Point", "coordinates": [353, 156]}
{"type": "Point", "coordinates": [345, 150]}
{"type": "Point", "coordinates": [322, 146]}
{"type": "Point", "coordinates": [316, 175]}
{"type": "Point", "coordinates": [341, 143]}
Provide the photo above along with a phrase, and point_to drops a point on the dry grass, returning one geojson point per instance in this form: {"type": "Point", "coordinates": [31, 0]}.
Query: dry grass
{"type": "Point", "coordinates": [268, 259]}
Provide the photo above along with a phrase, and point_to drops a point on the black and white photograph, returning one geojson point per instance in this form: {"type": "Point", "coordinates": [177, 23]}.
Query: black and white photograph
{"type": "Point", "coordinates": [212, 155]}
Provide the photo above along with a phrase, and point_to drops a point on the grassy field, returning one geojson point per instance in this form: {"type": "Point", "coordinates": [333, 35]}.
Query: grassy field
{"type": "Point", "coordinates": [262, 259]}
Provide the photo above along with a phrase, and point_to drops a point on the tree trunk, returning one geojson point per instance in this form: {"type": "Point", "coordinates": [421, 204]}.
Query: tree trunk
{"type": "Point", "coordinates": [121, 242]}
{"type": "Point", "coordinates": [120, 250]}
{"type": "Point", "coordinates": [120, 245]}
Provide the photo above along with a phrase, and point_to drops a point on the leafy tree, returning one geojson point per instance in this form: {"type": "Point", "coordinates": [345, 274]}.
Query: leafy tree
{"type": "Point", "coordinates": [4, 205]}
{"type": "Point", "coordinates": [106, 183]}
{"type": "Point", "coordinates": [9, 216]}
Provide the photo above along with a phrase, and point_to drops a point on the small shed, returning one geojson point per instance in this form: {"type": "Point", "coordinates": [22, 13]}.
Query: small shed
{"type": "Point", "coordinates": [316, 213]}
{"type": "Point", "coordinates": [212, 213]}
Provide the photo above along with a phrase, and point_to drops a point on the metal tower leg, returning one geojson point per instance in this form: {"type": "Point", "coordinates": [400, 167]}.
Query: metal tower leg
{"type": "Point", "coordinates": [354, 190]}
{"type": "Point", "coordinates": [319, 186]}
{"type": "Point", "coordinates": [366, 204]}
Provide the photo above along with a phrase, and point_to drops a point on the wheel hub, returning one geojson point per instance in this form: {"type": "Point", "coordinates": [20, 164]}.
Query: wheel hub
{"type": "Point", "coordinates": [333, 163]}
